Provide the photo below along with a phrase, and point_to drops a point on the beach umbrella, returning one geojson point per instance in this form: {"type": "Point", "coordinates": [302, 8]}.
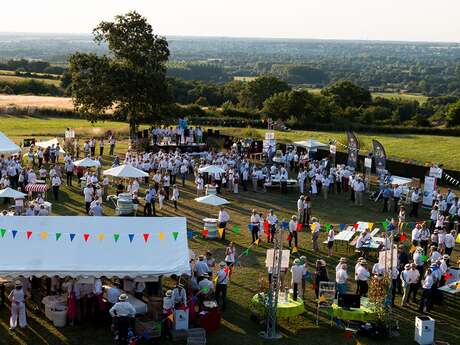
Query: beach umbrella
{"type": "Point", "coordinates": [211, 169]}
{"type": "Point", "coordinates": [212, 200]}
{"type": "Point", "coordinates": [86, 163]}
{"type": "Point", "coordinates": [125, 171]}
{"type": "Point", "coordinates": [11, 193]}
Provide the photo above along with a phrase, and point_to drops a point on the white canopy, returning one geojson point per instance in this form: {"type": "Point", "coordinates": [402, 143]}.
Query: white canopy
{"type": "Point", "coordinates": [401, 181]}
{"type": "Point", "coordinates": [93, 246]}
{"type": "Point", "coordinates": [311, 144]}
{"type": "Point", "coordinates": [11, 193]}
{"type": "Point", "coordinates": [212, 200]}
{"type": "Point", "coordinates": [211, 169]}
{"type": "Point", "coordinates": [86, 163]}
{"type": "Point", "coordinates": [7, 146]}
{"type": "Point", "coordinates": [49, 143]}
{"type": "Point", "coordinates": [126, 171]}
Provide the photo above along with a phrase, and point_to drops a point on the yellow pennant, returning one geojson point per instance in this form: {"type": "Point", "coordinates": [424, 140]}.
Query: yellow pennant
{"type": "Point", "coordinates": [215, 280]}
{"type": "Point", "coordinates": [322, 299]}
{"type": "Point", "coordinates": [43, 235]}
{"type": "Point", "coordinates": [458, 238]}
{"type": "Point", "coordinates": [101, 237]}
{"type": "Point", "coordinates": [171, 317]}
{"type": "Point", "coordinates": [313, 227]}
{"type": "Point", "coordinates": [294, 250]}
{"type": "Point", "coordinates": [370, 226]}
{"type": "Point", "coordinates": [412, 249]}
{"type": "Point", "coordinates": [458, 285]}
{"type": "Point", "coordinates": [256, 242]}
{"type": "Point", "coordinates": [162, 235]}
{"type": "Point", "coordinates": [220, 231]}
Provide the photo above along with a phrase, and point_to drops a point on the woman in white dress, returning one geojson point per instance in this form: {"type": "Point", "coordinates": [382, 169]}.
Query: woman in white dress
{"type": "Point", "coordinates": [17, 297]}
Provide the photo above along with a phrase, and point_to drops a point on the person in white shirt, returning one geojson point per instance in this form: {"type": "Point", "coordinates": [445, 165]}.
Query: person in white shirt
{"type": "Point", "coordinates": [449, 242]}
{"type": "Point", "coordinates": [297, 273]}
{"type": "Point", "coordinates": [396, 196]}
{"type": "Point", "coordinates": [359, 188]}
{"type": "Point", "coordinates": [221, 285]}
{"type": "Point", "coordinates": [363, 275]}
{"type": "Point", "coordinates": [315, 229]}
{"type": "Point", "coordinates": [300, 209]}
{"type": "Point", "coordinates": [272, 220]}
{"type": "Point", "coordinates": [17, 297]}
{"type": "Point", "coordinates": [179, 296]}
{"type": "Point", "coordinates": [405, 283]}
{"type": "Point", "coordinates": [415, 199]}
{"type": "Point", "coordinates": [88, 192]}
{"type": "Point", "coordinates": [293, 231]}
{"type": "Point", "coordinates": [416, 235]}
{"type": "Point", "coordinates": [414, 281]}
{"type": "Point", "coordinates": [330, 240]}
{"type": "Point", "coordinates": [201, 267]}
{"type": "Point", "coordinates": [223, 218]}
{"type": "Point", "coordinates": [341, 277]}
{"type": "Point", "coordinates": [427, 284]}
{"type": "Point", "coordinates": [254, 224]}
{"type": "Point", "coordinates": [56, 183]}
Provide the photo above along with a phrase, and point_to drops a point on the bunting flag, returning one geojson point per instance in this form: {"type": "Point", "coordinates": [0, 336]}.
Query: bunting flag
{"type": "Point", "coordinates": [342, 227]}
{"type": "Point", "coordinates": [403, 237]}
{"type": "Point", "coordinates": [256, 242]}
{"type": "Point", "coordinates": [171, 317]}
{"type": "Point", "coordinates": [457, 240]}
{"type": "Point", "coordinates": [205, 289]}
{"type": "Point", "coordinates": [190, 234]}
{"type": "Point", "coordinates": [236, 229]}
{"type": "Point", "coordinates": [116, 237]}
{"type": "Point", "coordinates": [227, 269]}
{"type": "Point", "coordinates": [370, 226]}
{"type": "Point", "coordinates": [355, 226]}
{"type": "Point", "coordinates": [175, 234]}
{"type": "Point", "coordinates": [385, 224]}
{"type": "Point", "coordinates": [412, 249]}
{"type": "Point", "coordinates": [43, 235]}
{"type": "Point", "coordinates": [313, 227]}
{"type": "Point", "coordinates": [220, 231]}
{"type": "Point", "coordinates": [458, 285]}
{"type": "Point", "coordinates": [14, 233]}
{"type": "Point", "coordinates": [246, 252]}
{"type": "Point", "coordinates": [146, 237]}
{"type": "Point", "coordinates": [250, 227]}
{"type": "Point", "coordinates": [131, 237]}
{"type": "Point", "coordinates": [299, 227]}
{"type": "Point", "coordinates": [29, 233]}
{"type": "Point", "coordinates": [424, 258]}
{"type": "Point", "coordinates": [328, 226]}
{"type": "Point", "coordinates": [205, 232]}
{"type": "Point", "coordinates": [86, 237]}
{"type": "Point", "coordinates": [348, 334]}
{"type": "Point", "coordinates": [284, 225]}
{"type": "Point", "coordinates": [72, 236]}
{"type": "Point", "coordinates": [58, 236]}
{"type": "Point", "coordinates": [295, 250]}
{"type": "Point", "coordinates": [266, 227]}
{"type": "Point", "coordinates": [2, 232]}
{"type": "Point", "coordinates": [101, 237]}
{"type": "Point", "coordinates": [322, 299]}
{"type": "Point", "coordinates": [161, 236]}
{"type": "Point", "coordinates": [447, 276]}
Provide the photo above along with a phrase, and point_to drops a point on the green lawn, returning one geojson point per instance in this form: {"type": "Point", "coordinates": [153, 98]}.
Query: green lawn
{"type": "Point", "coordinates": [421, 148]}
{"type": "Point", "coordinates": [404, 96]}
{"type": "Point", "coordinates": [237, 326]}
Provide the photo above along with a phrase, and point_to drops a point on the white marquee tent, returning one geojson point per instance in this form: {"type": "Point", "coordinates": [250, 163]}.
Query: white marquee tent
{"type": "Point", "coordinates": [49, 143]}
{"type": "Point", "coordinates": [7, 146]}
{"type": "Point", "coordinates": [125, 171]}
{"type": "Point", "coordinates": [212, 200]}
{"type": "Point", "coordinates": [86, 163]}
{"type": "Point", "coordinates": [93, 246]}
{"type": "Point", "coordinates": [311, 144]}
{"type": "Point", "coordinates": [11, 193]}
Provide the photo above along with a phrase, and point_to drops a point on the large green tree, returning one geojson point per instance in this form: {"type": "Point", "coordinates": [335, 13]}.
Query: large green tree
{"type": "Point", "coordinates": [453, 114]}
{"type": "Point", "coordinates": [130, 81]}
{"type": "Point", "coordinates": [255, 92]}
{"type": "Point", "coordinates": [346, 94]}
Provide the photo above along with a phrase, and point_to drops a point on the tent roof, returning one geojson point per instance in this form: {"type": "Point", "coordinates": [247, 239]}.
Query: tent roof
{"type": "Point", "coordinates": [212, 200]}
{"type": "Point", "coordinates": [11, 193]}
{"type": "Point", "coordinates": [125, 170]}
{"type": "Point", "coordinates": [7, 146]}
{"type": "Point", "coordinates": [49, 143]}
{"type": "Point", "coordinates": [86, 163]}
{"type": "Point", "coordinates": [211, 169]}
{"type": "Point", "coordinates": [93, 246]}
{"type": "Point", "coordinates": [310, 144]}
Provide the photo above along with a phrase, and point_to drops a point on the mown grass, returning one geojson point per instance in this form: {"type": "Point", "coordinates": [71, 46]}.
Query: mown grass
{"type": "Point", "coordinates": [236, 326]}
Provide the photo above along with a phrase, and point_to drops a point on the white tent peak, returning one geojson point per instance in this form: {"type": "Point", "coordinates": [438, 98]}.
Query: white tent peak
{"type": "Point", "coordinates": [211, 169]}
{"type": "Point", "coordinates": [212, 200]}
{"type": "Point", "coordinates": [310, 144]}
{"type": "Point", "coordinates": [86, 163]}
{"type": "Point", "coordinates": [8, 146]}
{"type": "Point", "coordinates": [11, 193]}
{"type": "Point", "coordinates": [126, 171]}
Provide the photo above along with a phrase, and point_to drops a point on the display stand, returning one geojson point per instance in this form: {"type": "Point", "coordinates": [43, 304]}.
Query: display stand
{"type": "Point", "coordinates": [326, 297]}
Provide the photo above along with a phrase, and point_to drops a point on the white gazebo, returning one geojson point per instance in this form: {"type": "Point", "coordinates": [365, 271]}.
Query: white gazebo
{"type": "Point", "coordinates": [311, 144]}
{"type": "Point", "coordinates": [11, 194]}
{"type": "Point", "coordinates": [125, 171]}
{"type": "Point", "coordinates": [212, 200]}
{"type": "Point", "coordinates": [86, 163]}
{"type": "Point", "coordinates": [211, 169]}
{"type": "Point", "coordinates": [49, 143]}
{"type": "Point", "coordinates": [7, 146]}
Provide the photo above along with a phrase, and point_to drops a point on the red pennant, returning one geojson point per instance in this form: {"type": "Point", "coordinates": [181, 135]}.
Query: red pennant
{"type": "Point", "coordinates": [226, 270]}
{"type": "Point", "coordinates": [356, 226]}
{"type": "Point", "coordinates": [289, 237]}
{"type": "Point", "coordinates": [403, 237]}
{"type": "Point", "coordinates": [447, 276]}
{"type": "Point", "coordinates": [146, 237]}
{"type": "Point", "coordinates": [29, 233]}
{"type": "Point", "coordinates": [205, 232]}
{"type": "Point", "coordinates": [299, 227]}
{"type": "Point", "coordinates": [86, 236]}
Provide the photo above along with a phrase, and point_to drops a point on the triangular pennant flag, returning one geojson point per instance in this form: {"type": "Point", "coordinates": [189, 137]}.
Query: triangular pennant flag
{"type": "Point", "coordinates": [236, 229]}
{"type": "Point", "coordinates": [412, 249]}
{"type": "Point", "coordinates": [29, 233]}
{"type": "Point", "coordinates": [385, 225]}
{"type": "Point", "coordinates": [58, 236]}
{"type": "Point", "coordinates": [116, 237]}
{"type": "Point", "coordinates": [226, 269]}
{"type": "Point", "coordinates": [328, 227]}
{"type": "Point", "coordinates": [403, 237]}
{"type": "Point", "coordinates": [146, 237]}
{"type": "Point", "coordinates": [342, 227]}
{"type": "Point", "coordinates": [101, 237]}
{"type": "Point", "coordinates": [171, 317]}
{"type": "Point", "coordinates": [246, 252]}
{"type": "Point", "coordinates": [86, 237]}
{"type": "Point", "coordinates": [43, 235]}
{"type": "Point", "coordinates": [256, 242]}
{"type": "Point", "coordinates": [175, 234]}
{"type": "Point", "coordinates": [2, 232]}
{"type": "Point", "coordinates": [424, 258]}
{"type": "Point", "coordinates": [161, 235]}
{"type": "Point", "coordinates": [205, 232]}
{"type": "Point", "coordinates": [370, 226]}
{"type": "Point", "coordinates": [14, 232]}
{"type": "Point", "coordinates": [447, 276]}
{"type": "Point", "coordinates": [284, 225]}
{"type": "Point", "coordinates": [250, 227]}
{"type": "Point", "coordinates": [190, 234]}
{"type": "Point", "coordinates": [294, 250]}
{"type": "Point", "coordinates": [205, 289]}
{"type": "Point", "coordinates": [72, 236]}
{"type": "Point", "coordinates": [457, 239]}
{"type": "Point", "coordinates": [355, 226]}
{"type": "Point", "coordinates": [322, 299]}
{"type": "Point", "coordinates": [313, 227]}
{"type": "Point", "coordinates": [220, 231]}
{"type": "Point", "coordinates": [299, 227]}
{"type": "Point", "coordinates": [458, 285]}
{"type": "Point", "coordinates": [131, 237]}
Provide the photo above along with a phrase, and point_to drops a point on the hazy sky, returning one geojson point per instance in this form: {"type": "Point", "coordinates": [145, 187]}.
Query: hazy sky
{"type": "Point", "coordinates": [420, 20]}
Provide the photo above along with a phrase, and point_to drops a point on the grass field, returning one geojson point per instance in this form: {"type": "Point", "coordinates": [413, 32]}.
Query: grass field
{"type": "Point", "coordinates": [422, 148]}
{"type": "Point", "coordinates": [36, 102]}
{"type": "Point", "coordinates": [237, 326]}
{"type": "Point", "coordinates": [17, 79]}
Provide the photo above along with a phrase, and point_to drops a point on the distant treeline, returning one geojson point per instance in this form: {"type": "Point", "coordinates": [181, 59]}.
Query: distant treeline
{"type": "Point", "coordinates": [33, 66]}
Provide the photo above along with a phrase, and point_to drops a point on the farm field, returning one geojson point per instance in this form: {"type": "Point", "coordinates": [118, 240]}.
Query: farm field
{"type": "Point", "coordinates": [17, 79]}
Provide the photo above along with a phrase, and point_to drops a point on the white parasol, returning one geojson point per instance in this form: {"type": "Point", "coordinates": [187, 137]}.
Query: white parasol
{"type": "Point", "coordinates": [126, 171]}
{"type": "Point", "coordinates": [212, 200]}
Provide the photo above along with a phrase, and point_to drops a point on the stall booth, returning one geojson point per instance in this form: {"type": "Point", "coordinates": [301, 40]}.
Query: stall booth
{"type": "Point", "coordinates": [85, 249]}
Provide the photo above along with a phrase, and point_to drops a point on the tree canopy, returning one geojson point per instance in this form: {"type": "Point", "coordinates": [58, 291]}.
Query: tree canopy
{"type": "Point", "coordinates": [131, 80]}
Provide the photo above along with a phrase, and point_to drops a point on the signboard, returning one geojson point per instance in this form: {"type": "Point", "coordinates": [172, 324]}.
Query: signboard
{"type": "Point", "coordinates": [269, 135]}
{"type": "Point", "coordinates": [428, 188]}
{"type": "Point", "coordinates": [368, 163]}
{"type": "Point", "coordinates": [380, 157]}
{"type": "Point", "coordinates": [284, 258]}
{"type": "Point", "coordinates": [385, 259]}
{"type": "Point", "coordinates": [435, 172]}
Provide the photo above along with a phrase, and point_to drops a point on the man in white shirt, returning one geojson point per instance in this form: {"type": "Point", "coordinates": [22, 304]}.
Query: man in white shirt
{"type": "Point", "coordinates": [221, 285]}
{"type": "Point", "coordinates": [297, 271]}
{"type": "Point", "coordinates": [300, 208]}
{"type": "Point", "coordinates": [255, 221]}
{"type": "Point", "coordinates": [341, 277]}
{"type": "Point", "coordinates": [179, 296]}
{"type": "Point", "coordinates": [427, 284]}
{"type": "Point", "coordinates": [416, 232]}
{"type": "Point", "coordinates": [56, 183]}
{"type": "Point", "coordinates": [449, 242]}
{"type": "Point", "coordinates": [223, 219]}
{"type": "Point", "coordinates": [272, 220]}
{"type": "Point", "coordinates": [363, 275]}
{"type": "Point", "coordinates": [201, 267]}
{"type": "Point", "coordinates": [405, 283]}
{"type": "Point", "coordinates": [415, 199]}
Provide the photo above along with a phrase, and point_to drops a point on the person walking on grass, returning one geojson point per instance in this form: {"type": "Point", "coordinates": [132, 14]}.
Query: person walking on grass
{"type": "Point", "coordinates": [255, 222]}
{"type": "Point", "coordinates": [330, 240]}
{"type": "Point", "coordinates": [293, 231]}
{"type": "Point", "coordinates": [175, 196]}
{"type": "Point", "coordinates": [315, 229]}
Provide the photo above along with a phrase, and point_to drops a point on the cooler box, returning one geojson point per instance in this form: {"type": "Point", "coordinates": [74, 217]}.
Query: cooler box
{"type": "Point", "coordinates": [180, 320]}
{"type": "Point", "coordinates": [424, 330]}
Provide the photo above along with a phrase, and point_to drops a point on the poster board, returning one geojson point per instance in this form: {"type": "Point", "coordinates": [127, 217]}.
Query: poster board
{"type": "Point", "coordinates": [435, 172]}
{"type": "Point", "coordinates": [385, 259]}
{"type": "Point", "coordinates": [284, 258]}
{"type": "Point", "coordinates": [428, 188]}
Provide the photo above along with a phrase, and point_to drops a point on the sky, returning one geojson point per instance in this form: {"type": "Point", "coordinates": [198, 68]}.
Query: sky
{"type": "Point", "coordinates": [402, 20]}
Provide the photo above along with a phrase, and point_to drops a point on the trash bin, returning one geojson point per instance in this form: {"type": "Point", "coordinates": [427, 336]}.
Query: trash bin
{"type": "Point", "coordinates": [59, 316]}
{"type": "Point", "coordinates": [424, 330]}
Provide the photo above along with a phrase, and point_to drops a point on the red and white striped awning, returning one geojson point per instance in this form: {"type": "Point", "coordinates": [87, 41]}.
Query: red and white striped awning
{"type": "Point", "coordinates": [36, 187]}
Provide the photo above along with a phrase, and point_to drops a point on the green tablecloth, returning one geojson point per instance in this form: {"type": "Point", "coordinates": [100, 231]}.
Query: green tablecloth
{"type": "Point", "coordinates": [290, 309]}
{"type": "Point", "coordinates": [363, 314]}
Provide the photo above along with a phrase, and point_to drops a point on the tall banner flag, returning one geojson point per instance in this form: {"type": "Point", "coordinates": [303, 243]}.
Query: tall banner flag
{"type": "Point", "coordinates": [380, 157]}
{"type": "Point", "coordinates": [353, 149]}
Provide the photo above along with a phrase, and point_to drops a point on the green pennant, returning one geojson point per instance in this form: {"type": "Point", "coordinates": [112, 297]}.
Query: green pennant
{"type": "Point", "coordinates": [116, 237]}
{"type": "Point", "coordinates": [58, 236]}
{"type": "Point", "coordinates": [205, 289]}
{"type": "Point", "coordinates": [424, 258]}
{"type": "Point", "coordinates": [175, 234]}
{"type": "Point", "coordinates": [2, 232]}
{"type": "Point", "coordinates": [328, 226]}
{"type": "Point", "coordinates": [385, 224]}
{"type": "Point", "coordinates": [246, 252]}
{"type": "Point", "coordinates": [236, 229]}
